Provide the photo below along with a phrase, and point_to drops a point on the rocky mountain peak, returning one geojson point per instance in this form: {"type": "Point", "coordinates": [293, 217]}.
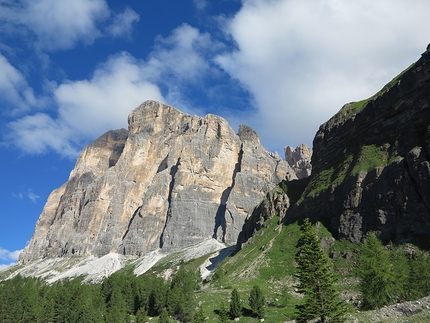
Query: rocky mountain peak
{"type": "Point", "coordinates": [172, 180]}
{"type": "Point", "coordinates": [246, 133]}
{"type": "Point", "coordinates": [299, 159]}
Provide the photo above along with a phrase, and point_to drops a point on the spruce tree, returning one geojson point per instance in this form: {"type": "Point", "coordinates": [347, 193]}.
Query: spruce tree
{"type": "Point", "coordinates": [257, 302]}
{"type": "Point", "coordinates": [223, 314]}
{"type": "Point", "coordinates": [316, 281]}
{"type": "Point", "coordinates": [141, 315]}
{"type": "Point", "coordinates": [164, 317]}
{"type": "Point", "coordinates": [235, 305]}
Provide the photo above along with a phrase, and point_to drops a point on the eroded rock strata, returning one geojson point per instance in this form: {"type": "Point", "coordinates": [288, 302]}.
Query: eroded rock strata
{"type": "Point", "coordinates": [170, 181]}
{"type": "Point", "coordinates": [371, 164]}
{"type": "Point", "coordinates": [370, 168]}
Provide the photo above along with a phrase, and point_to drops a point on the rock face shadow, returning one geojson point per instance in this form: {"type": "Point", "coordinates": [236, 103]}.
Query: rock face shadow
{"type": "Point", "coordinates": [224, 253]}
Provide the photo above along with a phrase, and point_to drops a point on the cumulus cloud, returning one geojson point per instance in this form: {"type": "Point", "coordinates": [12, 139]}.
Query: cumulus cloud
{"type": "Point", "coordinates": [86, 108]}
{"type": "Point", "coordinates": [184, 55]}
{"type": "Point", "coordinates": [302, 60]}
{"type": "Point", "coordinates": [57, 24]}
{"type": "Point", "coordinates": [123, 23]}
{"type": "Point", "coordinates": [10, 257]}
{"type": "Point", "coordinates": [6, 255]}
{"type": "Point", "coordinates": [60, 25]}
{"type": "Point", "coordinates": [14, 88]}
{"type": "Point", "coordinates": [183, 63]}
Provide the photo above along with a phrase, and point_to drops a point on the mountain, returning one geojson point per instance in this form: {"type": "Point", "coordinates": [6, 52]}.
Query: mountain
{"type": "Point", "coordinates": [173, 181]}
{"type": "Point", "coordinates": [168, 182]}
{"type": "Point", "coordinates": [370, 168]}
{"type": "Point", "coordinates": [299, 159]}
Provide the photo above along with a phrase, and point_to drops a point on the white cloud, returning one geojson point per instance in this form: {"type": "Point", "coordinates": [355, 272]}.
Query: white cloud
{"type": "Point", "coordinates": [86, 108]}
{"type": "Point", "coordinates": [103, 103]}
{"type": "Point", "coordinates": [182, 62]}
{"type": "Point", "coordinates": [6, 255]}
{"type": "Point", "coordinates": [182, 55]}
{"type": "Point", "coordinates": [200, 4]}
{"type": "Point", "coordinates": [302, 60]}
{"type": "Point", "coordinates": [39, 133]}
{"type": "Point", "coordinates": [58, 24]}
{"type": "Point", "coordinates": [32, 196]}
{"type": "Point", "coordinates": [14, 88]}
{"type": "Point", "coordinates": [4, 266]}
{"type": "Point", "coordinates": [122, 24]}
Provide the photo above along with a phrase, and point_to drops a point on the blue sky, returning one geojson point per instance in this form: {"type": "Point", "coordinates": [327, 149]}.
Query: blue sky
{"type": "Point", "coordinates": [73, 69]}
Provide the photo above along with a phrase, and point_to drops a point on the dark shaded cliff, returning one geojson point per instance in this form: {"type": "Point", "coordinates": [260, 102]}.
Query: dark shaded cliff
{"type": "Point", "coordinates": [371, 166]}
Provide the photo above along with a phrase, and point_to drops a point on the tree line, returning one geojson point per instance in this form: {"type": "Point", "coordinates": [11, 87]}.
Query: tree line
{"type": "Point", "coordinates": [119, 298]}
{"type": "Point", "coordinates": [392, 274]}
{"type": "Point", "coordinates": [387, 275]}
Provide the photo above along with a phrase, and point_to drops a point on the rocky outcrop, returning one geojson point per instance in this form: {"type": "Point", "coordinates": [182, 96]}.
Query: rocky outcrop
{"type": "Point", "coordinates": [299, 159]}
{"type": "Point", "coordinates": [172, 180]}
{"type": "Point", "coordinates": [275, 203]}
{"type": "Point", "coordinates": [371, 165]}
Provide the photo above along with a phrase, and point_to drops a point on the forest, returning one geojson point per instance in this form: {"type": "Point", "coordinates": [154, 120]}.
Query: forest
{"type": "Point", "coordinates": [387, 275]}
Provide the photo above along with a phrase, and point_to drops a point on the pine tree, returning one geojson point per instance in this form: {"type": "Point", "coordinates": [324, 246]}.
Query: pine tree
{"type": "Point", "coordinates": [316, 281]}
{"type": "Point", "coordinates": [235, 305]}
{"type": "Point", "coordinates": [257, 302]}
{"type": "Point", "coordinates": [377, 279]}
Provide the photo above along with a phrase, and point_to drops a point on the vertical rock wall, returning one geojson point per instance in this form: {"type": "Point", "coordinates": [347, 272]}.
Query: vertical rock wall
{"type": "Point", "coordinates": [170, 181]}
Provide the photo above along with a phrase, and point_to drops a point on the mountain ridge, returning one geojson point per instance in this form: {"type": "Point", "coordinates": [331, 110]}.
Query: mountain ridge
{"type": "Point", "coordinates": [370, 174]}
{"type": "Point", "coordinates": [370, 167]}
{"type": "Point", "coordinates": [170, 181]}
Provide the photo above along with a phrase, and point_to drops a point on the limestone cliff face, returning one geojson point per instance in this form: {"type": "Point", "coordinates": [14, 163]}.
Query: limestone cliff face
{"type": "Point", "coordinates": [170, 181]}
{"type": "Point", "coordinates": [371, 164]}
{"type": "Point", "coordinates": [299, 159]}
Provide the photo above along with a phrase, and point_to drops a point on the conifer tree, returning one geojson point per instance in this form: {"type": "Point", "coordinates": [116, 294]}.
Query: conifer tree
{"type": "Point", "coordinates": [223, 314]}
{"type": "Point", "coordinates": [316, 281]}
{"type": "Point", "coordinates": [419, 276]}
{"type": "Point", "coordinates": [377, 279]}
{"type": "Point", "coordinates": [141, 315]}
{"type": "Point", "coordinates": [164, 317]}
{"type": "Point", "coordinates": [199, 317]}
{"type": "Point", "coordinates": [257, 301]}
{"type": "Point", "coordinates": [235, 305]}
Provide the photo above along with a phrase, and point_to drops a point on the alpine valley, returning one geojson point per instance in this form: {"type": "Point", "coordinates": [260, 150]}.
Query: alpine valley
{"type": "Point", "coordinates": [176, 190]}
